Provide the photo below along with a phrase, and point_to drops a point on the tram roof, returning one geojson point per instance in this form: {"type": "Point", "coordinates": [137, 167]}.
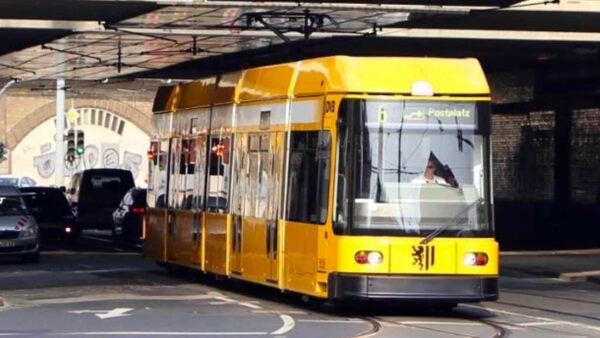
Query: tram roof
{"type": "Point", "coordinates": [334, 74]}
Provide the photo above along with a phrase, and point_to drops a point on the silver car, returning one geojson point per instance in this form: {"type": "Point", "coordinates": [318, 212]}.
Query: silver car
{"type": "Point", "coordinates": [18, 229]}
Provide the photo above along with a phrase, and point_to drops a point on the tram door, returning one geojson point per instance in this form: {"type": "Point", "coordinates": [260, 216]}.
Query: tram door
{"type": "Point", "coordinates": [198, 203]}
{"type": "Point", "coordinates": [274, 162]}
{"type": "Point", "coordinates": [239, 191]}
{"type": "Point", "coordinates": [175, 146]}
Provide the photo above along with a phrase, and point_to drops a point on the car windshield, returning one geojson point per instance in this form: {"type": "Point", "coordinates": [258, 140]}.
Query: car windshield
{"type": "Point", "coordinates": [107, 190]}
{"type": "Point", "coordinates": [45, 203]}
{"type": "Point", "coordinates": [11, 206]}
{"type": "Point", "coordinates": [9, 181]}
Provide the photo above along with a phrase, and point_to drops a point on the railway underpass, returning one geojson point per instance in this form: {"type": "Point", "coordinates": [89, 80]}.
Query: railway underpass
{"type": "Point", "coordinates": [541, 59]}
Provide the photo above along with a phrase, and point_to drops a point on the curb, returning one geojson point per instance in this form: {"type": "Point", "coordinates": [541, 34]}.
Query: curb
{"type": "Point", "coordinates": [551, 252]}
{"type": "Point", "coordinates": [582, 276]}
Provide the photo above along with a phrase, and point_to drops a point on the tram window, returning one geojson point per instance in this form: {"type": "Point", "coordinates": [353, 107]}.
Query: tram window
{"type": "Point", "coordinates": [175, 190]}
{"type": "Point", "coordinates": [218, 186]}
{"type": "Point", "coordinates": [187, 158]}
{"type": "Point", "coordinates": [187, 167]}
{"type": "Point", "coordinates": [253, 176]}
{"type": "Point", "coordinates": [264, 178]}
{"type": "Point", "coordinates": [199, 156]}
{"type": "Point", "coordinates": [161, 178]}
{"type": "Point", "coordinates": [219, 155]}
{"type": "Point", "coordinates": [308, 177]}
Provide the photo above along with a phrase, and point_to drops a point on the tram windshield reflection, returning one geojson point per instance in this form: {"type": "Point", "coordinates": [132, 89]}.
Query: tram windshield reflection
{"type": "Point", "coordinates": [415, 166]}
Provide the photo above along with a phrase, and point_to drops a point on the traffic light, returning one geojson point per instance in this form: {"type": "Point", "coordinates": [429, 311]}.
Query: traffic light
{"type": "Point", "coordinates": [2, 152]}
{"type": "Point", "coordinates": [80, 147]}
{"type": "Point", "coordinates": [71, 145]}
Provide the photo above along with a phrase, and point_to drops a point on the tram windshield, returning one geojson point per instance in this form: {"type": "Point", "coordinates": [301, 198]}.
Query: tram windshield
{"type": "Point", "coordinates": [413, 168]}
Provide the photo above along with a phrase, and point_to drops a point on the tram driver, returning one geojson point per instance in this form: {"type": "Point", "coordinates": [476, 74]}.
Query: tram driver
{"type": "Point", "coordinates": [429, 175]}
{"type": "Point", "coordinates": [436, 173]}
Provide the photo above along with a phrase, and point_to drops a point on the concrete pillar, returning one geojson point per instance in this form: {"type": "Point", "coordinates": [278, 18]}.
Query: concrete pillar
{"type": "Point", "coordinates": [60, 131]}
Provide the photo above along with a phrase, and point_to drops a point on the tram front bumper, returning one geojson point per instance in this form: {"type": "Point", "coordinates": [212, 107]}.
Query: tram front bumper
{"type": "Point", "coordinates": [413, 288]}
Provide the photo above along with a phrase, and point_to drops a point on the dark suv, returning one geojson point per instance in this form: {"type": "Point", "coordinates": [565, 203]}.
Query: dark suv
{"type": "Point", "coordinates": [129, 217]}
{"type": "Point", "coordinates": [52, 213]}
{"type": "Point", "coordinates": [95, 193]}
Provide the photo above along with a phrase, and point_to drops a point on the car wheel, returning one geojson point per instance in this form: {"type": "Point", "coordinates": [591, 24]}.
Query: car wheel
{"type": "Point", "coordinates": [32, 257]}
{"type": "Point", "coordinates": [71, 239]}
{"type": "Point", "coordinates": [116, 238]}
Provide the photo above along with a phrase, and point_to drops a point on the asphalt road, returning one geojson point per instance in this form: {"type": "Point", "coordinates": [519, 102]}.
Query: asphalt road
{"type": "Point", "coordinates": [97, 290]}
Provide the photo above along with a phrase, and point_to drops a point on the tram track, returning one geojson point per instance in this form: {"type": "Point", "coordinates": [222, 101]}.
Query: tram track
{"type": "Point", "coordinates": [498, 330]}
{"type": "Point", "coordinates": [540, 322]}
{"type": "Point", "coordinates": [375, 328]}
{"type": "Point", "coordinates": [568, 299]}
{"type": "Point", "coordinates": [556, 312]}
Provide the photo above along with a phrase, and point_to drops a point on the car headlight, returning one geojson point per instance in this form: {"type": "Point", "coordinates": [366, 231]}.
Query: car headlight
{"type": "Point", "coordinates": [30, 231]}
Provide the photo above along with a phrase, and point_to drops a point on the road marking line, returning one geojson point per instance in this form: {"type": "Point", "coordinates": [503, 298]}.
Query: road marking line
{"type": "Point", "coordinates": [89, 253]}
{"type": "Point", "coordinates": [227, 300]}
{"type": "Point", "coordinates": [98, 239]}
{"type": "Point", "coordinates": [288, 324]}
{"type": "Point", "coordinates": [73, 272]}
{"type": "Point", "coordinates": [101, 298]}
{"type": "Point", "coordinates": [425, 322]}
{"type": "Point", "coordinates": [538, 323]}
{"type": "Point", "coordinates": [289, 312]}
{"type": "Point", "coordinates": [545, 319]}
{"type": "Point", "coordinates": [332, 321]}
{"type": "Point", "coordinates": [104, 271]}
{"type": "Point", "coordinates": [104, 314]}
{"type": "Point", "coordinates": [250, 305]}
{"type": "Point", "coordinates": [150, 333]}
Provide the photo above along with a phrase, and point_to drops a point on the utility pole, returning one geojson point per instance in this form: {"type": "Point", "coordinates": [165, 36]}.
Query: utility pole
{"type": "Point", "coordinates": [59, 173]}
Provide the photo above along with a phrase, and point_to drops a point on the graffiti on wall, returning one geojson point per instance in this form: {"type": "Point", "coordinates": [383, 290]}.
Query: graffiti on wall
{"type": "Point", "coordinates": [108, 157]}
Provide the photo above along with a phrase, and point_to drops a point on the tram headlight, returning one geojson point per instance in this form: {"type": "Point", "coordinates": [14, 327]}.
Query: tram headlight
{"type": "Point", "coordinates": [370, 257]}
{"type": "Point", "coordinates": [374, 257]}
{"type": "Point", "coordinates": [475, 258]}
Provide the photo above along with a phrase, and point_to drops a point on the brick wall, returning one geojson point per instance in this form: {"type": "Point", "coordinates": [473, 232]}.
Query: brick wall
{"type": "Point", "coordinates": [523, 158]}
{"type": "Point", "coordinates": [585, 157]}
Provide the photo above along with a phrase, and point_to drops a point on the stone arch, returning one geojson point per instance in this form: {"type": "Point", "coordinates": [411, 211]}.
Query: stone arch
{"type": "Point", "coordinates": [47, 111]}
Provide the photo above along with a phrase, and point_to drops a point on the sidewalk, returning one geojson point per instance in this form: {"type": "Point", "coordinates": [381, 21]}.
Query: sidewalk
{"type": "Point", "coordinates": [568, 265]}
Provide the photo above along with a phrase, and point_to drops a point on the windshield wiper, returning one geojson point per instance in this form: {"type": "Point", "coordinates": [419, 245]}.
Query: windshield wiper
{"type": "Point", "coordinates": [459, 136]}
{"type": "Point", "coordinates": [434, 234]}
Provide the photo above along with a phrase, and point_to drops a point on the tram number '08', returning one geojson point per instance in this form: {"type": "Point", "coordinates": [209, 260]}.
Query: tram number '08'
{"type": "Point", "coordinates": [329, 106]}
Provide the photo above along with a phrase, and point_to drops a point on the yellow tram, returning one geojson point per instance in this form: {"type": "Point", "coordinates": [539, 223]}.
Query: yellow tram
{"type": "Point", "coordinates": [336, 177]}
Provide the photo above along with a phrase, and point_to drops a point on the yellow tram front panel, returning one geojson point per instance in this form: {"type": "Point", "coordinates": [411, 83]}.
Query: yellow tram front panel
{"type": "Point", "coordinates": [216, 242]}
{"type": "Point", "coordinates": [407, 256]}
{"type": "Point", "coordinates": [344, 249]}
{"type": "Point", "coordinates": [468, 246]}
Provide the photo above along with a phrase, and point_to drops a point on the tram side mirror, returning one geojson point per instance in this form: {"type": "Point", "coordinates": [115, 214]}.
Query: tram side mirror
{"type": "Point", "coordinates": [341, 196]}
